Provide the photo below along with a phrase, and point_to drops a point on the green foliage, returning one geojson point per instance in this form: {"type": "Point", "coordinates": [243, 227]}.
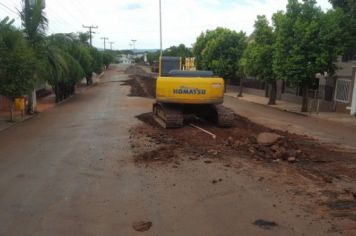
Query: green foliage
{"type": "Point", "coordinates": [306, 43]}
{"type": "Point", "coordinates": [180, 51]}
{"type": "Point", "coordinates": [108, 58]}
{"type": "Point", "coordinates": [220, 51]}
{"type": "Point", "coordinates": [61, 59]}
{"type": "Point", "coordinates": [257, 58]}
{"type": "Point", "coordinates": [130, 52]}
{"type": "Point", "coordinates": [84, 38]}
{"type": "Point", "coordinates": [35, 24]}
{"type": "Point", "coordinates": [153, 56]}
{"type": "Point", "coordinates": [97, 62]}
{"type": "Point", "coordinates": [347, 25]}
{"type": "Point", "coordinates": [17, 62]}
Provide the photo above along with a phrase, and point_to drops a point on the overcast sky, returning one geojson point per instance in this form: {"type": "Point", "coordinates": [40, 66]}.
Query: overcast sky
{"type": "Point", "coordinates": [124, 20]}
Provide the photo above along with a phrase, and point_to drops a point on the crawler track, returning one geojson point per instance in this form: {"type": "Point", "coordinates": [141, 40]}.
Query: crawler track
{"type": "Point", "coordinates": [168, 116]}
{"type": "Point", "coordinates": [224, 116]}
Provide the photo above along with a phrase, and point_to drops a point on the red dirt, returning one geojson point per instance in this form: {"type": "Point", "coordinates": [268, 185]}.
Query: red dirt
{"type": "Point", "coordinates": [301, 155]}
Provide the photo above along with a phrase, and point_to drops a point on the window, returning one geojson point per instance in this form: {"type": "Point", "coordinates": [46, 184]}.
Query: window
{"type": "Point", "coordinates": [342, 91]}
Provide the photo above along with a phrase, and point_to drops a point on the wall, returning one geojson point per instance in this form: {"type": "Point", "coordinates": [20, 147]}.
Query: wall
{"type": "Point", "coordinates": [4, 103]}
{"type": "Point", "coordinates": [345, 72]}
{"type": "Point", "coordinates": [353, 95]}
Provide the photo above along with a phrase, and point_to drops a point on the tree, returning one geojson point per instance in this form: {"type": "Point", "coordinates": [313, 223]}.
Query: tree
{"type": "Point", "coordinates": [84, 38]}
{"type": "Point", "coordinates": [17, 63]}
{"type": "Point", "coordinates": [220, 50]}
{"type": "Point", "coordinates": [347, 25]}
{"type": "Point", "coordinates": [97, 62]}
{"type": "Point", "coordinates": [108, 58]}
{"type": "Point", "coordinates": [153, 56]}
{"type": "Point", "coordinates": [306, 44]}
{"type": "Point", "coordinates": [35, 24]}
{"type": "Point", "coordinates": [257, 58]}
{"type": "Point", "coordinates": [178, 51]}
{"type": "Point", "coordinates": [247, 65]}
{"type": "Point", "coordinates": [70, 60]}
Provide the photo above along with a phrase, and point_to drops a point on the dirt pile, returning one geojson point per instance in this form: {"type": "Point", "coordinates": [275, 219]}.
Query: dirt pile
{"type": "Point", "coordinates": [241, 139]}
{"type": "Point", "coordinates": [142, 83]}
{"type": "Point", "coordinates": [141, 86]}
{"type": "Point", "coordinates": [313, 159]}
{"type": "Point", "coordinates": [135, 70]}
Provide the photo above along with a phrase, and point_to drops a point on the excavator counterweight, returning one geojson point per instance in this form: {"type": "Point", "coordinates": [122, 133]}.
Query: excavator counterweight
{"type": "Point", "coordinates": [182, 92]}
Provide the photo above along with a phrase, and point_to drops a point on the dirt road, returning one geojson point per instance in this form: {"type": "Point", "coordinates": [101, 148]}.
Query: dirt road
{"type": "Point", "coordinates": [72, 171]}
{"type": "Point", "coordinates": [324, 130]}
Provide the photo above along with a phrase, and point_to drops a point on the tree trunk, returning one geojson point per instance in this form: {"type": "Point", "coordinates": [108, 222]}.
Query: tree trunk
{"type": "Point", "coordinates": [273, 93]}
{"type": "Point", "coordinates": [56, 91]}
{"type": "Point", "coordinates": [241, 88]}
{"type": "Point", "coordinates": [11, 109]}
{"type": "Point", "coordinates": [267, 90]}
{"type": "Point", "coordinates": [305, 98]}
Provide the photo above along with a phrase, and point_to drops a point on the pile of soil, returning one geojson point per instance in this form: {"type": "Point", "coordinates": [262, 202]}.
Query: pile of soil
{"type": "Point", "coordinates": [135, 70]}
{"type": "Point", "coordinates": [241, 140]}
{"type": "Point", "coordinates": [141, 86]}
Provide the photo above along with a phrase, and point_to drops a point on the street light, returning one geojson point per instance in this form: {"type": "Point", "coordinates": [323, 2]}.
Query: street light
{"type": "Point", "coordinates": [160, 25]}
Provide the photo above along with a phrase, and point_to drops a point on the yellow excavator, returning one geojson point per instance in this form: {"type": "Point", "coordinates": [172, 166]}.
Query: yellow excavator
{"type": "Point", "coordinates": [188, 92]}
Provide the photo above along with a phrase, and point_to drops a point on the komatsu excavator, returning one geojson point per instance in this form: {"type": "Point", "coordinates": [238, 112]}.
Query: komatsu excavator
{"type": "Point", "coordinates": [188, 92]}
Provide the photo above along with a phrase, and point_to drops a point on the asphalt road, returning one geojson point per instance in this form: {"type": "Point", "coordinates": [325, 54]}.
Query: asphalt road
{"type": "Point", "coordinates": [70, 171]}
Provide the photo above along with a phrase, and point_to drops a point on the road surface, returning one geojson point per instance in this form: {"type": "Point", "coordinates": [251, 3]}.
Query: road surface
{"type": "Point", "coordinates": [326, 131]}
{"type": "Point", "coordinates": [70, 171]}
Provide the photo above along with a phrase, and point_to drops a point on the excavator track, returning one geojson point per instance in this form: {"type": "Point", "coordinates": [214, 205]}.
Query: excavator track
{"type": "Point", "coordinates": [224, 116]}
{"type": "Point", "coordinates": [168, 116]}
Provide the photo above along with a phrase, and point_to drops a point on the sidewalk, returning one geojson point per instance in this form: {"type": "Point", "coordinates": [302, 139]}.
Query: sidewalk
{"type": "Point", "coordinates": [43, 104]}
{"type": "Point", "coordinates": [295, 108]}
{"type": "Point", "coordinates": [5, 122]}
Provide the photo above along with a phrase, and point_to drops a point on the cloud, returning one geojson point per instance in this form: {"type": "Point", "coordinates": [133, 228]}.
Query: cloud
{"type": "Point", "coordinates": [132, 6]}
{"type": "Point", "coordinates": [183, 20]}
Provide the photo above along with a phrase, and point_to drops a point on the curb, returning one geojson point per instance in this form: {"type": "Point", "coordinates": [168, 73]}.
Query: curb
{"type": "Point", "coordinates": [36, 114]}
{"type": "Point", "coordinates": [29, 117]}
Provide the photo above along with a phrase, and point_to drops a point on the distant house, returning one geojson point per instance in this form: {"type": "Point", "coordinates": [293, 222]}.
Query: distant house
{"type": "Point", "coordinates": [345, 87]}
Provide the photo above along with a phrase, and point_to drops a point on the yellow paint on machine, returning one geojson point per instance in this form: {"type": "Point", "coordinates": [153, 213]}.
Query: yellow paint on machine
{"type": "Point", "coordinates": [190, 90]}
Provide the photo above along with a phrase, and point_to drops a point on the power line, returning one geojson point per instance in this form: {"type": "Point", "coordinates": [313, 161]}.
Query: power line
{"type": "Point", "coordinates": [53, 13]}
{"type": "Point", "coordinates": [80, 10]}
{"type": "Point", "coordinates": [8, 8]}
{"type": "Point", "coordinates": [6, 11]}
{"type": "Point", "coordinates": [73, 16]}
{"type": "Point", "coordinates": [91, 32]}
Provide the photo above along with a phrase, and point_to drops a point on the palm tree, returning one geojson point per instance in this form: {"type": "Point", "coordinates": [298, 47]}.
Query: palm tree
{"type": "Point", "coordinates": [16, 64]}
{"type": "Point", "coordinates": [35, 24]}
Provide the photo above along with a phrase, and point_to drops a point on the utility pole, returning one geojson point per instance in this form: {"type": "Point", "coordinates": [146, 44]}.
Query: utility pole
{"type": "Point", "coordinates": [111, 43]}
{"type": "Point", "coordinates": [134, 44]}
{"type": "Point", "coordinates": [160, 26]}
{"type": "Point", "coordinates": [91, 32]}
{"type": "Point", "coordinates": [27, 4]}
{"type": "Point", "coordinates": [105, 38]}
